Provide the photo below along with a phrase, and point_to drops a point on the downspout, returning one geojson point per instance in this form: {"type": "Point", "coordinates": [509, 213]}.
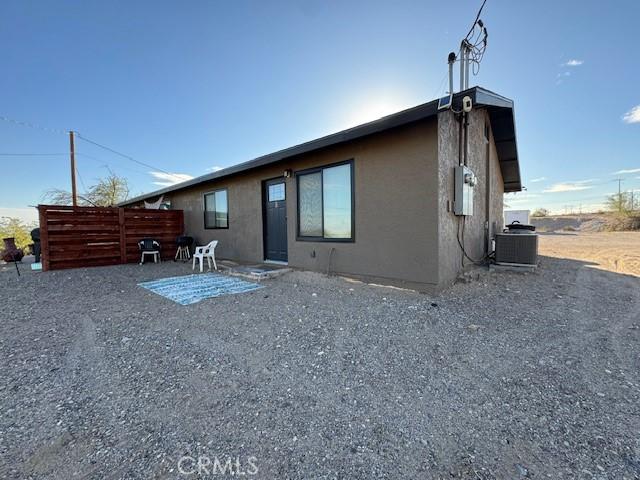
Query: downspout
{"type": "Point", "coordinates": [488, 188]}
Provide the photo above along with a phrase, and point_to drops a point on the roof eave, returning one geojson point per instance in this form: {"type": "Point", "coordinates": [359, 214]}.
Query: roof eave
{"type": "Point", "coordinates": [480, 97]}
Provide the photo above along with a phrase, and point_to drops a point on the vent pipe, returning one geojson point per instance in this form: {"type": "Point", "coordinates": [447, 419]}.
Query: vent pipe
{"type": "Point", "coordinates": [463, 53]}
{"type": "Point", "coordinates": [465, 56]}
{"type": "Point", "coordinates": [451, 60]}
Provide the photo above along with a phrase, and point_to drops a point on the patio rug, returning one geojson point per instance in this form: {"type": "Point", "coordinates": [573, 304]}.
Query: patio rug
{"type": "Point", "coordinates": [193, 288]}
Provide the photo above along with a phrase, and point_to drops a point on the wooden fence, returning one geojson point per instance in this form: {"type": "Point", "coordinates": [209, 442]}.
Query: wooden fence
{"type": "Point", "coordinates": [74, 237]}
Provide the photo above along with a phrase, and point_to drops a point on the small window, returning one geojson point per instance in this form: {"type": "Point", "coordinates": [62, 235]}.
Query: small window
{"type": "Point", "coordinates": [325, 203]}
{"type": "Point", "coordinates": [216, 209]}
{"type": "Point", "coordinates": [276, 192]}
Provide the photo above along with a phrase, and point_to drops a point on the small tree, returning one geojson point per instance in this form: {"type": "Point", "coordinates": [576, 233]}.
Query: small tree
{"type": "Point", "coordinates": [619, 203]}
{"type": "Point", "coordinates": [109, 191]}
{"type": "Point", "coordinates": [540, 212]}
{"type": "Point", "coordinates": [16, 228]}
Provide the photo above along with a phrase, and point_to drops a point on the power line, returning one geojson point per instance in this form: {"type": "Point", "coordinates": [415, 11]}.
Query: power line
{"type": "Point", "coordinates": [32, 125]}
{"type": "Point", "coordinates": [126, 156]}
{"type": "Point", "coordinates": [476, 20]}
{"type": "Point", "coordinates": [107, 165]}
{"type": "Point", "coordinates": [32, 154]}
{"type": "Point", "coordinates": [440, 86]}
{"type": "Point", "coordinates": [55, 130]}
{"type": "Point", "coordinates": [84, 187]}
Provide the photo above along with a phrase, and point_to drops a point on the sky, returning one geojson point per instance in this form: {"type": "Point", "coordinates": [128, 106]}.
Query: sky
{"type": "Point", "coordinates": [189, 87]}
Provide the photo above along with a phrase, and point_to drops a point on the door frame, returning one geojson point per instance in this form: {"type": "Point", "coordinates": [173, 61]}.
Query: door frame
{"type": "Point", "coordinates": [264, 198]}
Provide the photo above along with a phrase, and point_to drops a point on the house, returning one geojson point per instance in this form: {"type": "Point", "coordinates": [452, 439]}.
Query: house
{"type": "Point", "coordinates": [377, 201]}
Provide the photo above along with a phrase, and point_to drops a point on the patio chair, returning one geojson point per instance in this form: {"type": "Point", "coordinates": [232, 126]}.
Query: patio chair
{"type": "Point", "coordinates": [35, 236]}
{"type": "Point", "coordinates": [184, 244]}
{"type": "Point", "coordinates": [149, 246]}
{"type": "Point", "coordinates": [208, 252]}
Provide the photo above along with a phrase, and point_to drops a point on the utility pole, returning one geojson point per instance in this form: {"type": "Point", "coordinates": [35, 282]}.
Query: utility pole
{"type": "Point", "coordinates": [619, 180]}
{"type": "Point", "coordinates": [72, 153]}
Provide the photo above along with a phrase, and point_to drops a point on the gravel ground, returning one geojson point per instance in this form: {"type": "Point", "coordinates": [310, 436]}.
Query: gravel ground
{"type": "Point", "coordinates": [510, 376]}
{"type": "Point", "coordinates": [614, 251]}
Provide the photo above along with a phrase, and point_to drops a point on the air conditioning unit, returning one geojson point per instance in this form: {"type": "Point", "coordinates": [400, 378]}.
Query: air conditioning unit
{"type": "Point", "coordinates": [516, 249]}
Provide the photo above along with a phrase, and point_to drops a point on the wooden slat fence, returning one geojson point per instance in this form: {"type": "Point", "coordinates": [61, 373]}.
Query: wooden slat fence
{"type": "Point", "coordinates": [93, 236]}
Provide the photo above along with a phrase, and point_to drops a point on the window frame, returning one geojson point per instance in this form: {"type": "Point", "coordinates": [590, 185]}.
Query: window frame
{"type": "Point", "coordinates": [320, 169]}
{"type": "Point", "coordinates": [204, 208]}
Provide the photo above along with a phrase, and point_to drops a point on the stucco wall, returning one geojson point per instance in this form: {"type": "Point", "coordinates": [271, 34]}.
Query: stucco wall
{"type": "Point", "coordinates": [450, 226]}
{"type": "Point", "coordinates": [395, 177]}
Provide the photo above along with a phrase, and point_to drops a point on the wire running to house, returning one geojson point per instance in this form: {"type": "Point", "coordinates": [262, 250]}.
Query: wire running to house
{"type": "Point", "coordinates": [109, 166]}
{"type": "Point", "coordinates": [476, 20]}
{"type": "Point", "coordinates": [77, 135]}
{"type": "Point", "coordinates": [127, 157]}
{"type": "Point", "coordinates": [474, 45]}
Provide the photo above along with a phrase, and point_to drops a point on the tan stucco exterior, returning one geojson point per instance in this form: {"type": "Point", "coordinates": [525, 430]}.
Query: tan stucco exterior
{"type": "Point", "coordinates": [453, 229]}
{"type": "Point", "coordinates": [405, 231]}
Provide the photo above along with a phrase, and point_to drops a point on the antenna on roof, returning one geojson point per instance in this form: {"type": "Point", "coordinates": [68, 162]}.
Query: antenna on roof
{"type": "Point", "coordinates": [471, 52]}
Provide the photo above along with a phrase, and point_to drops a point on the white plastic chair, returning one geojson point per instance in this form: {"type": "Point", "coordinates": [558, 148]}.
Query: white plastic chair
{"type": "Point", "coordinates": [208, 252]}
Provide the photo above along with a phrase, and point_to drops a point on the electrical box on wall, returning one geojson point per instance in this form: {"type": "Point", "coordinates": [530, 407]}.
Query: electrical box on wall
{"type": "Point", "coordinates": [465, 181]}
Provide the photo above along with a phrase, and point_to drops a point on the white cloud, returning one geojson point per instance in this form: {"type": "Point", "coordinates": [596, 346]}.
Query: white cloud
{"type": "Point", "coordinates": [521, 198]}
{"type": "Point", "coordinates": [569, 186]}
{"type": "Point", "coordinates": [539, 179]}
{"type": "Point", "coordinates": [167, 179]}
{"type": "Point", "coordinates": [28, 215]}
{"type": "Point", "coordinates": [214, 169]}
{"type": "Point", "coordinates": [521, 195]}
{"type": "Point", "coordinates": [573, 63]}
{"type": "Point", "coordinates": [629, 170]}
{"type": "Point", "coordinates": [632, 116]}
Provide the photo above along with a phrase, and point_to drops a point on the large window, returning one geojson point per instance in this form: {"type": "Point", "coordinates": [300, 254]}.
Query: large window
{"type": "Point", "coordinates": [216, 209]}
{"type": "Point", "coordinates": [325, 203]}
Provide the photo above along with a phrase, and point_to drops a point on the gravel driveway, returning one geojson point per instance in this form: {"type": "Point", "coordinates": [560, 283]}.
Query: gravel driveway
{"type": "Point", "coordinates": [510, 376]}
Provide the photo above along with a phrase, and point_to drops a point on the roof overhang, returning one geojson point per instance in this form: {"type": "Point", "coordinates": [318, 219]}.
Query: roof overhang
{"type": "Point", "coordinates": [502, 121]}
{"type": "Point", "coordinates": [503, 126]}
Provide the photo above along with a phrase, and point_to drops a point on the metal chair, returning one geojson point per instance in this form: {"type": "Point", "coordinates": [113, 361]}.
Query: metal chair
{"type": "Point", "coordinates": [149, 246]}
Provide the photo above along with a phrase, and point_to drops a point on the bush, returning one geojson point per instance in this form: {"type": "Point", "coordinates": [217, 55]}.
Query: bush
{"type": "Point", "coordinates": [540, 212]}
{"type": "Point", "coordinates": [16, 228]}
{"type": "Point", "coordinates": [621, 223]}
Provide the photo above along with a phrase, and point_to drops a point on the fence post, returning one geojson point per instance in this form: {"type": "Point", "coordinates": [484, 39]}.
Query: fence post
{"type": "Point", "coordinates": [44, 237]}
{"type": "Point", "coordinates": [123, 236]}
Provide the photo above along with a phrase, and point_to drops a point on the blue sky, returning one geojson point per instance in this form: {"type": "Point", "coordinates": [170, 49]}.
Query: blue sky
{"type": "Point", "coordinates": [192, 86]}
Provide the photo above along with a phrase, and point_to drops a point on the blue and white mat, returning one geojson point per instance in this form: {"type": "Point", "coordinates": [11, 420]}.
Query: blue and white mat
{"type": "Point", "coordinates": [193, 288]}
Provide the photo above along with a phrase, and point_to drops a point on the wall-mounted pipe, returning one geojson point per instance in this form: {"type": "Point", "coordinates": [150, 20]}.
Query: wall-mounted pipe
{"type": "Point", "coordinates": [463, 53]}
{"type": "Point", "coordinates": [451, 60]}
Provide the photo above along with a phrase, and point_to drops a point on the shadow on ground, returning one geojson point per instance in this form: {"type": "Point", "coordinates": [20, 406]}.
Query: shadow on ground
{"type": "Point", "coordinates": [315, 377]}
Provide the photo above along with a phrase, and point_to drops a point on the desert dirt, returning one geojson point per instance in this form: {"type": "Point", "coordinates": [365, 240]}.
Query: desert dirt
{"type": "Point", "coordinates": [613, 251]}
{"type": "Point", "coordinates": [511, 375]}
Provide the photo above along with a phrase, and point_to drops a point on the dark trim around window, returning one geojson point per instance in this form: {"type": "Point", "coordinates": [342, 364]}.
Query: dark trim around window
{"type": "Point", "coordinates": [297, 174]}
{"type": "Point", "coordinates": [204, 209]}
